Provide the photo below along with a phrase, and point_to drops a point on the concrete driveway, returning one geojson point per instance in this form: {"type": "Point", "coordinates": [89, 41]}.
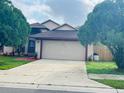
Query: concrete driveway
{"type": "Point", "coordinates": [54, 73]}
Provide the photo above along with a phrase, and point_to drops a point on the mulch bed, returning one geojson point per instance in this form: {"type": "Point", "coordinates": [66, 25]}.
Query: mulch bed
{"type": "Point", "coordinates": [26, 59]}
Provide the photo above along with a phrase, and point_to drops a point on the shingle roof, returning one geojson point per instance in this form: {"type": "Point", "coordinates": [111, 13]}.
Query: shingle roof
{"type": "Point", "coordinates": [57, 35]}
{"type": "Point", "coordinates": [37, 25]}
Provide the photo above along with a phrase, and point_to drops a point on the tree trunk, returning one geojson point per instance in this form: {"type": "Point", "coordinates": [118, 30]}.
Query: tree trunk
{"type": "Point", "coordinates": [13, 52]}
{"type": "Point", "coordinates": [86, 53]}
{"type": "Point", "coordinates": [118, 55]}
{"type": "Point", "coordinates": [18, 50]}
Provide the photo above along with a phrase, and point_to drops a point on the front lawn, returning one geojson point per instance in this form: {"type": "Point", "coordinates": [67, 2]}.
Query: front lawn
{"type": "Point", "coordinates": [10, 62]}
{"type": "Point", "coordinates": [118, 84]}
{"type": "Point", "coordinates": [103, 68]}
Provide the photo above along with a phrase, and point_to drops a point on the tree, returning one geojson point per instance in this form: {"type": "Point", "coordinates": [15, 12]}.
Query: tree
{"type": "Point", "coordinates": [14, 29]}
{"type": "Point", "coordinates": [106, 25]}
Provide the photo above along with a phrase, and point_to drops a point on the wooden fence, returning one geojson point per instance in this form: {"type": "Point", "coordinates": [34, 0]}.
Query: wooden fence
{"type": "Point", "coordinates": [104, 52]}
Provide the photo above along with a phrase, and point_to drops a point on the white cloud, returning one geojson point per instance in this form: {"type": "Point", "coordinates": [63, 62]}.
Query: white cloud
{"type": "Point", "coordinates": [29, 9]}
{"type": "Point", "coordinates": [59, 10]}
{"type": "Point", "coordinates": [96, 1]}
{"type": "Point", "coordinates": [32, 20]}
{"type": "Point", "coordinates": [90, 3]}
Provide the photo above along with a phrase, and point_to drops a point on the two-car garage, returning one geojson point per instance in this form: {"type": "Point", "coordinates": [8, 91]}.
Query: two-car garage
{"type": "Point", "coordinates": [62, 45]}
{"type": "Point", "coordinates": [66, 50]}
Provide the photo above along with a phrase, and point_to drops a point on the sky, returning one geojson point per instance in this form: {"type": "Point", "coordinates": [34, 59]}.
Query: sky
{"type": "Point", "coordinates": [73, 12]}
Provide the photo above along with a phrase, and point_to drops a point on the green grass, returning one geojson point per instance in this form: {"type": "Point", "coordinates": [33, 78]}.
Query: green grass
{"type": "Point", "coordinates": [118, 84]}
{"type": "Point", "coordinates": [103, 68]}
{"type": "Point", "coordinates": [10, 62]}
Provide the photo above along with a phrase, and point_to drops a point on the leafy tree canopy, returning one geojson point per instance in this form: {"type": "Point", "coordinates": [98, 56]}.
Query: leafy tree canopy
{"type": "Point", "coordinates": [14, 29]}
{"type": "Point", "coordinates": [106, 25]}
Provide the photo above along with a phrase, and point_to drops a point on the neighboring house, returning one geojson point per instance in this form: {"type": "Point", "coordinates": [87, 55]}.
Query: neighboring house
{"type": "Point", "coordinates": [7, 49]}
{"type": "Point", "coordinates": [60, 42]}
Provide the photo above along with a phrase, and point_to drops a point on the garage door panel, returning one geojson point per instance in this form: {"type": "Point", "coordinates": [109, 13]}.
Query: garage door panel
{"type": "Point", "coordinates": [67, 50]}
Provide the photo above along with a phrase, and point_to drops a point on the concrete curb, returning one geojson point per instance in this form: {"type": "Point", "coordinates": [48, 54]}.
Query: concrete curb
{"type": "Point", "coordinates": [120, 90]}
{"type": "Point", "coordinates": [28, 88]}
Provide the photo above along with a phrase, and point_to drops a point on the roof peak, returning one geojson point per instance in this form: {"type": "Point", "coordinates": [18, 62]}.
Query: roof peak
{"type": "Point", "coordinates": [50, 20]}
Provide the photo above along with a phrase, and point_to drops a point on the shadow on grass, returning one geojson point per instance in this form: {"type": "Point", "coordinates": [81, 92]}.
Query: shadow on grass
{"type": "Point", "coordinates": [103, 68]}
{"type": "Point", "coordinates": [118, 84]}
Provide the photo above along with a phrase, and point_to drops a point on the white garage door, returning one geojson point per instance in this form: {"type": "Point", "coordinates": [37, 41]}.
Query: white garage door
{"type": "Point", "coordinates": [66, 50]}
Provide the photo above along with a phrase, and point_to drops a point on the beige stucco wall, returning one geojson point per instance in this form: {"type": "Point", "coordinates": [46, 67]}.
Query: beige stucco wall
{"type": "Point", "coordinates": [65, 28]}
{"type": "Point", "coordinates": [51, 25]}
{"type": "Point", "coordinates": [38, 48]}
{"type": "Point", "coordinates": [67, 50]}
{"type": "Point", "coordinates": [7, 49]}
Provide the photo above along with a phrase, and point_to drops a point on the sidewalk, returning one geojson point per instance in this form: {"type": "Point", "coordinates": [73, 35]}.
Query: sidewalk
{"type": "Point", "coordinates": [106, 76]}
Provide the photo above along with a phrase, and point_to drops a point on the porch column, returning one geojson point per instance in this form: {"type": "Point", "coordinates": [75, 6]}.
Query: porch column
{"type": "Point", "coordinates": [38, 48]}
{"type": "Point", "coordinates": [26, 48]}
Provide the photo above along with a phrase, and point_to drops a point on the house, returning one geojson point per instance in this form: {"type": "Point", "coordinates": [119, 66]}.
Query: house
{"type": "Point", "coordinates": [59, 42]}
{"type": "Point", "coordinates": [50, 40]}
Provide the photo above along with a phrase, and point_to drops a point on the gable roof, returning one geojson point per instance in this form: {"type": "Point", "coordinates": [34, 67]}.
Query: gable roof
{"type": "Point", "coordinates": [37, 25]}
{"type": "Point", "coordinates": [57, 35]}
{"type": "Point", "coordinates": [50, 21]}
{"type": "Point", "coordinates": [65, 25]}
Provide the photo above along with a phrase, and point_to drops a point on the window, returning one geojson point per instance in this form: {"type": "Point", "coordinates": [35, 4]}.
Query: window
{"type": "Point", "coordinates": [32, 44]}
